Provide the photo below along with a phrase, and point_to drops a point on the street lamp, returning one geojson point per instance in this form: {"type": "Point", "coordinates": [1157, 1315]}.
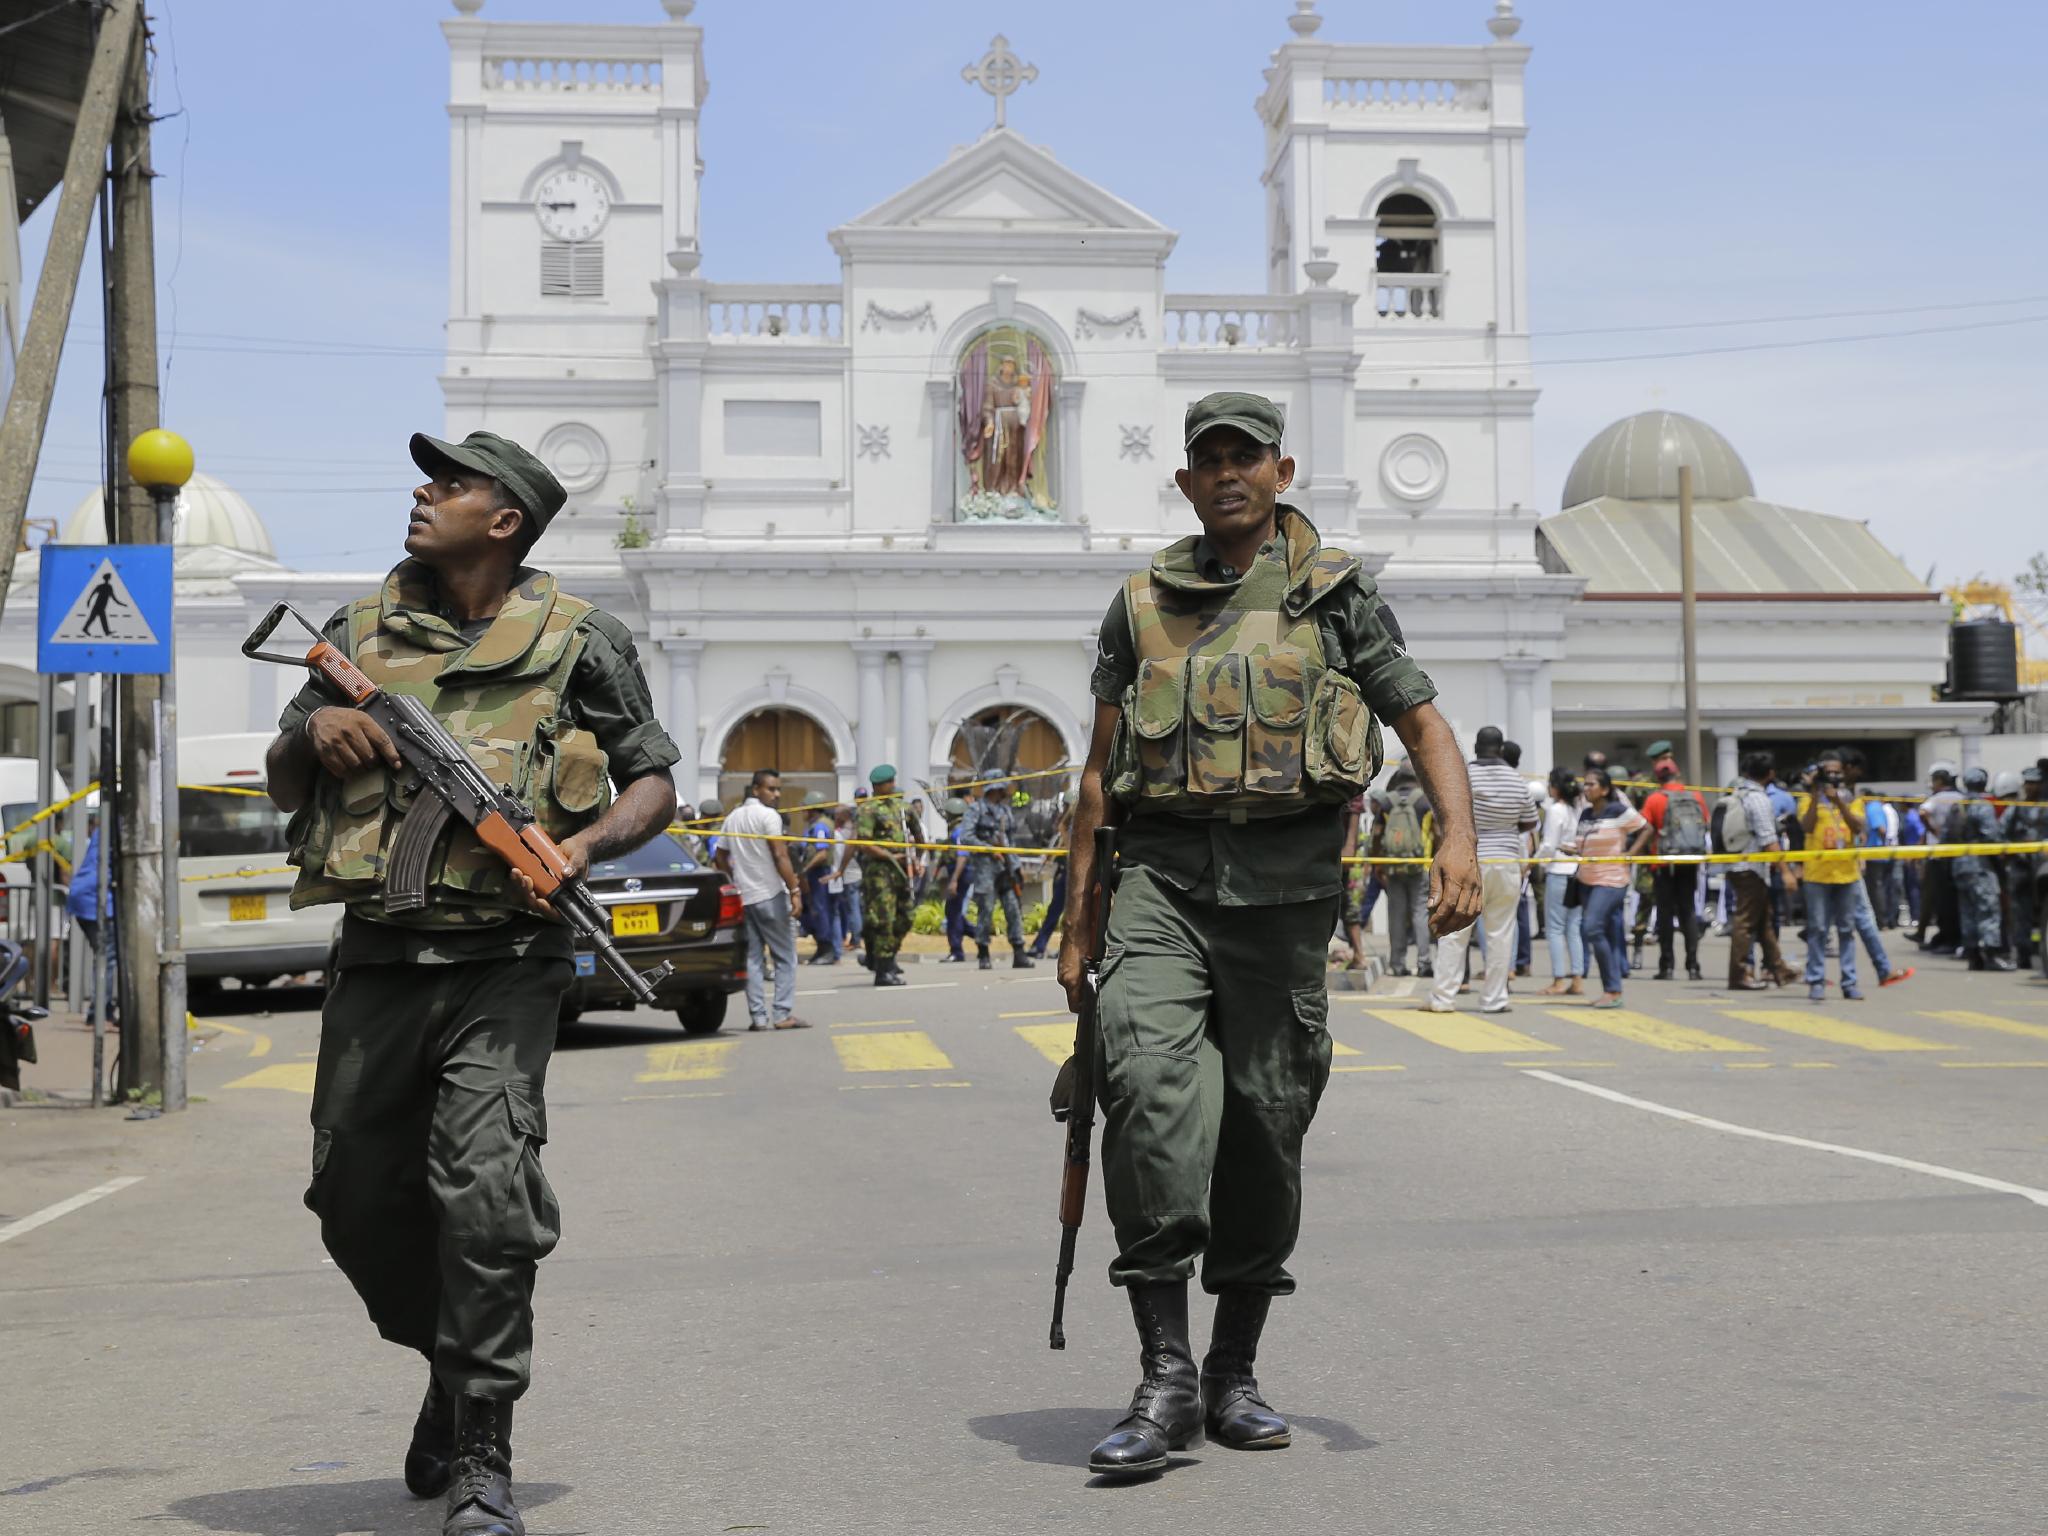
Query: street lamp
{"type": "Point", "coordinates": [161, 463]}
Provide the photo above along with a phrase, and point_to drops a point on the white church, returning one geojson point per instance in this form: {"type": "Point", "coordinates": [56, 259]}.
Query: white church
{"type": "Point", "coordinates": [879, 518]}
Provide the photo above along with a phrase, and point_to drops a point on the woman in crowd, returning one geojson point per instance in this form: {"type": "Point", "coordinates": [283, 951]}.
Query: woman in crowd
{"type": "Point", "coordinates": [1609, 828]}
{"type": "Point", "coordinates": [1562, 924]}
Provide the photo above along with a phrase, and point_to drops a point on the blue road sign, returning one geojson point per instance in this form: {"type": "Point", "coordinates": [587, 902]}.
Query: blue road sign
{"type": "Point", "coordinates": [104, 608]}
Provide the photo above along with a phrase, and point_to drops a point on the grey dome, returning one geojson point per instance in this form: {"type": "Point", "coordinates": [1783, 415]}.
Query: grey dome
{"type": "Point", "coordinates": [208, 511]}
{"type": "Point", "coordinates": [1637, 459]}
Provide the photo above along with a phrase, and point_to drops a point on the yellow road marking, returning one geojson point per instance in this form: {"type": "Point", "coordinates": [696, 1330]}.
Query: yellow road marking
{"type": "Point", "coordinates": [1818, 1026]}
{"type": "Point", "coordinates": [1814, 1066]}
{"type": "Point", "coordinates": [1369, 1069]}
{"type": "Point", "coordinates": [1339, 1048]}
{"type": "Point", "coordinates": [885, 1087]}
{"type": "Point", "coordinates": [1468, 1032]}
{"type": "Point", "coordinates": [1043, 1013]}
{"type": "Point", "coordinates": [872, 1023]}
{"type": "Point", "coordinates": [1992, 1021]}
{"type": "Point", "coordinates": [644, 1098]}
{"type": "Point", "coordinates": [1549, 1062]}
{"type": "Point", "coordinates": [1641, 1029]}
{"type": "Point", "coordinates": [693, 1061]}
{"type": "Point", "coordinates": [1747, 1066]}
{"type": "Point", "coordinates": [259, 1043]}
{"type": "Point", "coordinates": [1995, 1064]}
{"type": "Point", "coordinates": [288, 1076]}
{"type": "Point", "coordinates": [1055, 1042]}
{"type": "Point", "coordinates": [910, 1050]}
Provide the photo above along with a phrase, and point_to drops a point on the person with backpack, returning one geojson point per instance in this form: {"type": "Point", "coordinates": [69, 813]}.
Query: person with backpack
{"type": "Point", "coordinates": [1679, 816]}
{"type": "Point", "coordinates": [1749, 824]}
{"type": "Point", "coordinates": [1398, 832]}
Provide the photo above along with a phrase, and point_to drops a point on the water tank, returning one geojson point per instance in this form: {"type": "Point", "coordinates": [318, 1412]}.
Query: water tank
{"type": "Point", "coordinates": [1983, 660]}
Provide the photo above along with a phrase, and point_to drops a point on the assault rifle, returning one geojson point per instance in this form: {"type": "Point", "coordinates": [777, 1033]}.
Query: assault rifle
{"type": "Point", "coordinates": [1073, 1092]}
{"type": "Point", "coordinates": [456, 789]}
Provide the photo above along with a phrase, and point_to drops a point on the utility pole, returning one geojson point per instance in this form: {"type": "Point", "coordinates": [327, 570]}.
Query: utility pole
{"type": "Point", "coordinates": [138, 881]}
{"type": "Point", "coordinates": [1689, 623]}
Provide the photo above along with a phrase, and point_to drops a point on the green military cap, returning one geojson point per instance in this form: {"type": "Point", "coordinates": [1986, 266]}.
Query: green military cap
{"type": "Point", "coordinates": [882, 774]}
{"type": "Point", "coordinates": [1254, 414]}
{"type": "Point", "coordinates": [1659, 749]}
{"type": "Point", "coordinates": [538, 492]}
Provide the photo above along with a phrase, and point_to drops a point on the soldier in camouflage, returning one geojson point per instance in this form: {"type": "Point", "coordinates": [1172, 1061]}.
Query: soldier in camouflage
{"type": "Point", "coordinates": [886, 903]}
{"type": "Point", "coordinates": [1976, 875]}
{"type": "Point", "coordinates": [1239, 685]}
{"type": "Point", "coordinates": [993, 876]}
{"type": "Point", "coordinates": [428, 1108]}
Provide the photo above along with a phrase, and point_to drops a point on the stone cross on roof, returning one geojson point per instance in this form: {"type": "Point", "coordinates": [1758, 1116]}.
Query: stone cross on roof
{"type": "Point", "coordinates": [1000, 73]}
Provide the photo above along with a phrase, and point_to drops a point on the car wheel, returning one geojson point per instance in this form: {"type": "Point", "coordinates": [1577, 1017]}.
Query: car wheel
{"type": "Point", "coordinates": [204, 992]}
{"type": "Point", "coordinates": [702, 1013]}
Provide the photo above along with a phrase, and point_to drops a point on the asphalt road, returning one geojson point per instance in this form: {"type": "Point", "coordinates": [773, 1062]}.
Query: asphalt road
{"type": "Point", "coordinates": [804, 1283]}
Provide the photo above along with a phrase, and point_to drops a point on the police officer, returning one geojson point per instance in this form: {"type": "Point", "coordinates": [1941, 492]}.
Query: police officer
{"type": "Point", "coordinates": [948, 867]}
{"type": "Point", "coordinates": [994, 875]}
{"type": "Point", "coordinates": [886, 906]}
{"type": "Point", "coordinates": [1976, 877]}
{"type": "Point", "coordinates": [428, 1110]}
{"type": "Point", "coordinates": [1240, 685]}
{"type": "Point", "coordinates": [2026, 822]}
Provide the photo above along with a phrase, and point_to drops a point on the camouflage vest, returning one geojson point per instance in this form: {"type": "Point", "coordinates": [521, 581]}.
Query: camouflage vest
{"type": "Point", "coordinates": [1234, 711]}
{"type": "Point", "coordinates": [502, 698]}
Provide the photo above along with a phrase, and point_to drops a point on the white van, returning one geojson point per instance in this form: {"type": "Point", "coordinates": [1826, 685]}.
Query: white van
{"type": "Point", "coordinates": [235, 884]}
{"type": "Point", "coordinates": [18, 802]}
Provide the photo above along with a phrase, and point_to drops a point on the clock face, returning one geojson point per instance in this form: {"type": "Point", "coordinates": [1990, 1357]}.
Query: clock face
{"type": "Point", "coordinates": [572, 205]}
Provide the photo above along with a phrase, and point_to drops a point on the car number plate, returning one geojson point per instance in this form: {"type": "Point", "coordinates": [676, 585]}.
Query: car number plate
{"type": "Point", "coordinates": [248, 909]}
{"type": "Point", "coordinates": [635, 922]}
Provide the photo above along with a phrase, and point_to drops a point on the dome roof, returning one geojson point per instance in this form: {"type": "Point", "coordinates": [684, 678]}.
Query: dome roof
{"type": "Point", "coordinates": [1637, 459]}
{"type": "Point", "coordinates": [208, 513]}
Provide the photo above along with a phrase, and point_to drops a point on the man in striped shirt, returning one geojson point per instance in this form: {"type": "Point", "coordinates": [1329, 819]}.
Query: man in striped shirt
{"type": "Point", "coordinates": [1505, 817]}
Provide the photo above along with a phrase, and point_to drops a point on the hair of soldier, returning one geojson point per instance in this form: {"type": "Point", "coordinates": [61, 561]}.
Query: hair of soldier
{"type": "Point", "coordinates": [762, 776]}
{"type": "Point", "coordinates": [1756, 764]}
{"type": "Point", "coordinates": [1488, 742]}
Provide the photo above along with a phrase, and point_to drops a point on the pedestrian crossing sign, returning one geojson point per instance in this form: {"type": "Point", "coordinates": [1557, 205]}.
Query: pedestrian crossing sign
{"type": "Point", "coordinates": [104, 608]}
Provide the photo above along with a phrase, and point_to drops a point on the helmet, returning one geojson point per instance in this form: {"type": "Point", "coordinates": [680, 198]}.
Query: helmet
{"type": "Point", "coordinates": [2007, 785]}
{"type": "Point", "coordinates": [1975, 779]}
{"type": "Point", "coordinates": [1941, 765]}
{"type": "Point", "coordinates": [709, 808]}
{"type": "Point", "coordinates": [956, 807]}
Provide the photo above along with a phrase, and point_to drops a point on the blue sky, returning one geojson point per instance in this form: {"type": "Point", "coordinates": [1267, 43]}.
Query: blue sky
{"type": "Point", "coordinates": [1689, 166]}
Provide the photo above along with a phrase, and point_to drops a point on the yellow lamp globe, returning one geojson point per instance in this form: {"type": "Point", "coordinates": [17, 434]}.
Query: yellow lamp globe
{"type": "Point", "coordinates": [160, 460]}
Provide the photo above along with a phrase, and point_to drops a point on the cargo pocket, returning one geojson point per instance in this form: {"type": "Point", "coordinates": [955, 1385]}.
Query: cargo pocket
{"type": "Point", "coordinates": [1312, 1014]}
{"type": "Point", "coordinates": [579, 778]}
{"type": "Point", "coordinates": [1120, 781]}
{"type": "Point", "coordinates": [1216, 716]}
{"type": "Point", "coordinates": [1280, 684]}
{"type": "Point", "coordinates": [355, 846]}
{"type": "Point", "coordinates": [323, 1148]}
{"type": "Point", "coordinates": [532, 1221]}
{"type": "Point", "coordinates": [1112, 1031]}
{"type": "Point", "coordinates": [1158, 713]}
{"type": "Point", "coordinates": [1337, 730]}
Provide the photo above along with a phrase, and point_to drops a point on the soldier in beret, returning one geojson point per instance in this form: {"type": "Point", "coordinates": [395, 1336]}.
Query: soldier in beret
{"type": "Point", "coordinates": [428, 1110]}
{"type": "Point", "coordinates": [1240, 687]}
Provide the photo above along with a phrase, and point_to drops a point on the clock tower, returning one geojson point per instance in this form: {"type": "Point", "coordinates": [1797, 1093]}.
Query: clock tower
{"type": "Point", "coordinates": [573, 173]}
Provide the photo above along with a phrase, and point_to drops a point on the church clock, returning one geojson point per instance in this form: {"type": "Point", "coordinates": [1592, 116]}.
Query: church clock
{"type": "Point", "coordinates": [572, 204]}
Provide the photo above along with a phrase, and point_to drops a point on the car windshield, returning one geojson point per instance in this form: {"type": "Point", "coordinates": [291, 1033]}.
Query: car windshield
{"type": "Point", "coordinates": [666, 855]}
{"type": "Point", "coordinates": [228, 822]}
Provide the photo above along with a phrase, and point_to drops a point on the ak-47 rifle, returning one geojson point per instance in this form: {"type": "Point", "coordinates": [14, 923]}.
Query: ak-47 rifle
{"type": "Point", "coordinates": [1073, 1094]}
{"type": "Point", "coordinates": [456, 788]}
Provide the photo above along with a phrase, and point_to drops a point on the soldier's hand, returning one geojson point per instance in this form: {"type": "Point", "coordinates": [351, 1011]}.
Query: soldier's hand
{"type": "Point", "coordinates": [1073, 973]}
{"type": "Point", "coordinates": [1453, 888]}
{"type": "Point", "coordinates": [578, 856]}
{"type": "Point", "coordinates": [346, 739]}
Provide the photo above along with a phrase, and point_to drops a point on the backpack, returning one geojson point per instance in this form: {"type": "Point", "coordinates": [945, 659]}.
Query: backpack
{"type": "Point", "coordinates": [1717, 826]}
{"type": "Point", "coordinates": [1403, 837]}
{"type": "Point", "coordinates": [1731, 827]}
{"type": "Point", "coordinates": [1685, 824]}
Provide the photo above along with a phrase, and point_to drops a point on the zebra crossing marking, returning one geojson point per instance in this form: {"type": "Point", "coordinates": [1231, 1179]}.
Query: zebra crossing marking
{"type": "Point", "coordinates": [1470, 1033]}
{"type": "Point", "coordinates": [1972, 1020]}
{"type": "Point", "coordinates": [692, 1061]}
{"type": "Point", "coordinates": [1641, 1029]}
{"type": "Point", "coordinates": [1818, 1026]}
{"type": "Point", "coordinates": [909, 1050]}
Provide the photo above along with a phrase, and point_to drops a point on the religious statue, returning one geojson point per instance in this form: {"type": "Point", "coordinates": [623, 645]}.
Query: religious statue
{"type": "Point", "coordinates": [1005, 388]}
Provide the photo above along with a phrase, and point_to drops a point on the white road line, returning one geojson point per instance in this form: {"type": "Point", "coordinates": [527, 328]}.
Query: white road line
{"type": "Point", "coordinates": [50, 1213]}
{"type": "Point", "coordinates": [2025, 1192]}
{"type": "Point", "coordinates": [915, 986]}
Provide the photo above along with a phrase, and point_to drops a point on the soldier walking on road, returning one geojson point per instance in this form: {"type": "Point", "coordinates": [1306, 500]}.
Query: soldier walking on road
{"type": "Point", "coordinates": [428, 1108]}
{"type": "Point", "coordinates": [1240, 684]}
{"type": "Point", "coordinates": [1976, 876]}
{"type": "Point", "coordinates": [885, 876]}
{"type": "Point", "coordinates": [993, 876]}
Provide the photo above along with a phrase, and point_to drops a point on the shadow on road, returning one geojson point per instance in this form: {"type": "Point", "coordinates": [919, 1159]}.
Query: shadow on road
{"type": "Point", "coordinates": [595, 1034]}
{"type": "Point", "coordinates": [240, 1002]}
{"type": "Point", "coordinates": [1062, 1437]}
{"type": "Point", "coordinates": [321, 1509]}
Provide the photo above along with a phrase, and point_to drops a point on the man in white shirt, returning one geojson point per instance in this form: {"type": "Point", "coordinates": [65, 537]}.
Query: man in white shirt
{"type": "Point", "coordinates": [770, 894]}
{"type": "Point", "coordinates": [1504, 818]}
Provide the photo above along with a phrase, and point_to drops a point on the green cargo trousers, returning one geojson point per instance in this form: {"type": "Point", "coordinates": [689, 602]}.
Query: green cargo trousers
{"type": "Point", "coordinates": [887, 909]}
{"type": "Point", "coordinates": [428, 1120]}
{"type": "Point", "coordinates": [1213, 1049]}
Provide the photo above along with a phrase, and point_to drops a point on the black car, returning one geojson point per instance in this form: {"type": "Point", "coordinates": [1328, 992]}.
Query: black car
{"type": "Point", "coordinates": [664, 905]}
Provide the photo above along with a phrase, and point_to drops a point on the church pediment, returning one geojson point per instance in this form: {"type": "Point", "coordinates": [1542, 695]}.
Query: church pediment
{"type": "Point", "coordinates": [1002, 186]}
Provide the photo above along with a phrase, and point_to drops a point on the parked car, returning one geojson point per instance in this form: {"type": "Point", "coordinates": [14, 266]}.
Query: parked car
{"type": "Point", "coordinates": [234, 887]}
{"type": "Point", "coordinates": [18, 802]}
{"type": "Point", "coordinates": [664, 905]}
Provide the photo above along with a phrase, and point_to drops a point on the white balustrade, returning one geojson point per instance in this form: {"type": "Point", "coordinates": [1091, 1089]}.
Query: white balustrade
{"type": "Point", "coordinates": [1201, 321]}
{"type": "Point", "coordinates": [1390, 94]}
{"type": "Point", "coordinates": [1409, 295]}
{"type": "Point", "coordinates": [800, 312]}
{"type": "Point", "coordinates": [614, 77]}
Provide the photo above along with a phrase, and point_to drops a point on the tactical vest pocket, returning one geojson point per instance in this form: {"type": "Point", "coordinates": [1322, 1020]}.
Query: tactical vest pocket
{"type": "Point", "coordinates": [1216, 715]}
{"type": "Point", "coordinates": [1338, 730]}
{"type": "Point", "coordinates": [1280, 682]}
{"type": "Point", "coordinates": [1120, 780]}
{"type": "Point", "coordinates": [355, 842]}
{"type": "Point", "coordinates": [1157, 710]}
{"type": "Point", "coordinates": [579, 778]}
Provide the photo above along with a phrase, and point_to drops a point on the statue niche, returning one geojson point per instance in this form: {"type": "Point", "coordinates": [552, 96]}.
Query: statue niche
{"type": "Point", "coordinates": [1004, 389]}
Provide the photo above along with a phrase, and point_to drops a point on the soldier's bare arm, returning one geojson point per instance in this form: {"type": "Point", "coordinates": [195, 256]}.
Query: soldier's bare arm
{"type": "Point", "coordinates": [643, 809]}
{"type": "Point", "coordinates": [1454, 873]}
{"type": "Point", "coordinates": [1091, 810]}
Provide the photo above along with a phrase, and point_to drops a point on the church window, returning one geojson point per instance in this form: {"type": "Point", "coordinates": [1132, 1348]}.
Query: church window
{"type": "Point", "coordinates": [1407, 235]}
{"type": "Point", "coordinates": [572, 269]}
{"type": "Point", "coordinates": [1003, 392]}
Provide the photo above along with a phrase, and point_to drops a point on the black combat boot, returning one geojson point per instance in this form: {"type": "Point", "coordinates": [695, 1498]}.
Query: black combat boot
{"type": "Point", "coordinates": [986, 963]}
{"type": "Point", "coordinates": [1023, 962]}
{"type": "Point", "coordinates": [1997, 960]}
{"type": "Point", "coordinates": [1166, 1410]}
{"type": "Point", "coordinates": [1235, 1413]}
{"type": "Point", "coordinates": [433, 1442]}
{"type": "Point", "coordinates": [1975, 957]}
{"type": "Point", "coordinates": [480, 1497]}
{"type": "Point", "coordinates": [886, 975]}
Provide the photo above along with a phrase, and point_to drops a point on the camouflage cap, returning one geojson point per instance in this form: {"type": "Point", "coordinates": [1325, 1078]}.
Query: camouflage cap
{"type": "Point", "coordinates": [538, 492]}
{"type": "Point", "coordinates": [1252, 414]}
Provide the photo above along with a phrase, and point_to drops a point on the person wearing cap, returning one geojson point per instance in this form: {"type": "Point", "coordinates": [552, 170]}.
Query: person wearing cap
{"type": "Point", "coordinates": [993, 876]}
{"type": "Point", "coordinates": [428, 1108]}
{"type": "Point", "coordinates": [1975, 875]}
{"type": "Point", "coordinates": [947, 868]}
{"type": "Point", "coordinates": [1938, 888]}
{"type": "Point", "coordinates": [1240, 685]}
{"type": "Point", "coordinates": [2025, 822]}
{"type": "Point", "coordinates": [886, 907]}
